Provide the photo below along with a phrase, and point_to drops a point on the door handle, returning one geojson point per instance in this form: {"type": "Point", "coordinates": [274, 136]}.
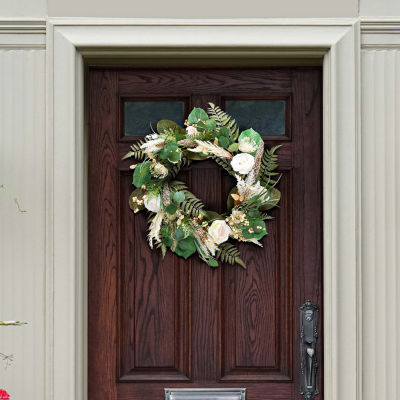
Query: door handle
{"type": "Point", "coordinates": [308, 350]}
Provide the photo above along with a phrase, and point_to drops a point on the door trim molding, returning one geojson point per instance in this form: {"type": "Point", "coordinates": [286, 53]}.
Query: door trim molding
{"type": "Point", "coordinates": [70, 42]}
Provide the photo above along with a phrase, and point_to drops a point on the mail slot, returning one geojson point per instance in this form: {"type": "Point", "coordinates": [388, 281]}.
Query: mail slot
{"type": "Point", "coordinates": [205, 394]}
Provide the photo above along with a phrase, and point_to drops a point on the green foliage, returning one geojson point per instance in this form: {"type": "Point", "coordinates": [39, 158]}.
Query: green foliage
{"type": "Point", "coordinates": [269, 163]}
{"type": "Point", "coordinates": [212, 263]}
{"type": "Point", "coordinates": [165, 125]}
{"type": "Point", "coordinates": [138, 193]}
{"type": "Point", "coordinates": [179, 234]}
{"type": "Point", "coordinates": [136, 152]}
{"type": "Point", "coordinates": [192, 205]}
{"type": "Point", "coordinates": [175, 168]}
{"type": "Point", "coordinates": [197, 114]}
{"type": "Point", "coordinates": [253, 137]}
{"type": "Point", "coordinates": [223, 141]}
{"type": "Point", "coordinates": [171, 208]}
{"type": "Point", "coordinates": [223, 119]}
{"type": "Point", "coordinates": [142, 175]}
{"type": "Point", "coordinates": [228, 253]}
{"type": "Point", "coordinates": [274, 197]}
{"type": "Point", "coordinates": [171, 152]}
{"type": "Point", "coordinates": [179, 197]}
{"type": "Point", "coordinates": [225, 164]}
{"type": "Point", "coordinates": [255, 230]}
{"type": "Point", "coordinates": [185, 247]}
{"type": "Point", "coordinates": [234, 147]}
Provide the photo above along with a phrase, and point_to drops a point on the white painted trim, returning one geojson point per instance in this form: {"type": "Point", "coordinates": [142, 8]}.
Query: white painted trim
{"type": "Point", "coordinates": [68, 39]}
{"type": "Point", "coordinates": [380, 33]}
{"type": "Point", "coordinates": [20, 34]}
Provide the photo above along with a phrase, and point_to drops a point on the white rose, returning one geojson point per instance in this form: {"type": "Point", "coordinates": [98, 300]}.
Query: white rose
{"type": "Point", "coordinates": [153, 203]}
{"type": "Point", "coordinates": [191, 130]}
{"type": "Point", "coordinates": [246, 145]}
{"type": "Point", "coordinates": [219, 231]}
{"type": "Point", "coordinates": [242, 163]}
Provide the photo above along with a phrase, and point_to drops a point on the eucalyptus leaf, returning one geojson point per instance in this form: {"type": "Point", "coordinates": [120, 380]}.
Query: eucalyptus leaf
{"type": "Point", "coordinates": [196, 115]}
{"type": "Point", "coordinates": [233, 147]}
{"type": "Point", "coordinates": [212, 263]}
{"type": "Point", "coordinates": [211, 124]}
{"type": "Point", "coordinates": [223, 141]}
{"type": "Point", "coordinates": [179, 197]}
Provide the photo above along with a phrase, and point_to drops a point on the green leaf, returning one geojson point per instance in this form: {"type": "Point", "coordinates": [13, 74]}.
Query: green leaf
{"type": "Point", "coordinates": [167, 240]}
{"type": "Point", "coordinates": [142, 175]}
{"type": "Point", "coordinates": [174, 156]}
{"type": "Point", "coordinates": [255, 230]}
{"type": "Point", "coordinates": [196, 115]}
{"type": "Point", "coordinates": [179, 197]}
{"type": "Point", "coordinates": [252, 136]}
{"type": "Point", "coordinates": [179, 234]}
{"type": "Point", "coordinates": [274, 197]}
{"type": "Point", "coordinates": [166, 124]}
{"type": "Point", "coordinates": [172, 145]}
{"type": "Point", "coordinates": [185, 247]}
{"type": "Point", "coordinates": [211, 124]}
{"type": "Point", "coordinates": [212, 263]}
{"type": "Point", "coordinates": [223, 141]}
{"type": "Point", "coordinates": [233, 147]}
{"type": "Point", "coordinates": [224, 131]}
{"type": "Point", "coordinates": [171, 209]}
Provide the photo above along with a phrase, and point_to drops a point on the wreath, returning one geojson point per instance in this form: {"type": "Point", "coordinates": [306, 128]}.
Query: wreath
{"type": "Point", "coordinates": [178, 219]}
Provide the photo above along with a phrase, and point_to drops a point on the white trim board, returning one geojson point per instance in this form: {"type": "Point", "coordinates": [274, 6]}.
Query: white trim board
{"type": "Point", "coordinates": [68, 41]}
{"type": "Point", "coordinates": [380, 33]}
{"type": "Point", "coordinates": [21, 34]}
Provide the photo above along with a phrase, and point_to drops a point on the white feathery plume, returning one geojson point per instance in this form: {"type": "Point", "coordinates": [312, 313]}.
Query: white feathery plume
{"type": "Point", "coordinates": [210, 148]}
{"type": "Point", "coordinates": [154, 229]}
{"type": "Point", "coordinates": [152, 145]}
{"type": "Point", "coordinates": [252, 175]}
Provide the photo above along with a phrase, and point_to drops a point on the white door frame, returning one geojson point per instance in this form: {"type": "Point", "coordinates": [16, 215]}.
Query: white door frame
{"type": "Point", "coordinates": [69, 41]}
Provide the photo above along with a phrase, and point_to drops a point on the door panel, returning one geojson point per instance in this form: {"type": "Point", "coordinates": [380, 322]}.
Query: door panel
{"type": "Point", "coordinates": [157, 323]}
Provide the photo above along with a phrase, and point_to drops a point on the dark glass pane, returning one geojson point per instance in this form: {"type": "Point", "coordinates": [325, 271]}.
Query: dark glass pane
{"type": "Point", "coordinates": [138, 115]}
{"type": "Point", "coordinates": [267, 117]}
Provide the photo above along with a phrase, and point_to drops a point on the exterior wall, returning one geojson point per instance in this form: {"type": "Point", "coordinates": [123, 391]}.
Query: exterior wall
{"type": "Point", "coordinates": [204, 9]}
{"type": "Point", "coordinates": [23, 8]}
{"type": "Point", "coordinates": [22, 236]}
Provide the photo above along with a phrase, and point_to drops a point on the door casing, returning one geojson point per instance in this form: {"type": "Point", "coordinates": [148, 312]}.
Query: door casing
{"type": "Point", "coordinates": [72, 43]}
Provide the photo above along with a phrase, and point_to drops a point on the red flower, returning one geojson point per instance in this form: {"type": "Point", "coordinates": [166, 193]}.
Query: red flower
{"type": "Point", "coordinates": [4, 395]}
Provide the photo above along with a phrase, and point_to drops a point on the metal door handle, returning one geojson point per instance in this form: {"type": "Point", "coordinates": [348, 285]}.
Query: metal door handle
{"type": "Point", "coordinates": [308, 350]}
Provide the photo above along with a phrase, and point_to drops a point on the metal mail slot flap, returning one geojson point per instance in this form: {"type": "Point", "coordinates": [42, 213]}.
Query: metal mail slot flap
{"type": "Point", "coordinates": [205, 394]}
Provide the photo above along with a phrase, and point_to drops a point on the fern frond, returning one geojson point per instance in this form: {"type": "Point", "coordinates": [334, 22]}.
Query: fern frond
{"type": "Point", "coordinates": [136, 152]}
{"type": "Point", "coordinates": [192, 205]}
{"type": "Point", "coordinates": [269, 163]}
{"type": "Point", "coordinates": [228, 253]}
{"type": "Point", "coordinates": [175, 168]}
{"type": "Point", "coordinates": [225, 164]}
{"type": "Point", "coordinates": [222, 118]}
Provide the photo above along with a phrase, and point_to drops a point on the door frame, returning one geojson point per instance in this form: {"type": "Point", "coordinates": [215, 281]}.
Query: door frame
{"type": "Point", "coordinates": [73, 41]}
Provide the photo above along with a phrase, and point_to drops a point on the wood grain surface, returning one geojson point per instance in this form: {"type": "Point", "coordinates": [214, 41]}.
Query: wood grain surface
{"type": "Point", "coordinates": [156, 323]}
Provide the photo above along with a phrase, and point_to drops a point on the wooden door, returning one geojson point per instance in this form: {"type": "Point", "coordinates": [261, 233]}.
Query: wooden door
{"type": "Point", "coordinates": [157, 323]}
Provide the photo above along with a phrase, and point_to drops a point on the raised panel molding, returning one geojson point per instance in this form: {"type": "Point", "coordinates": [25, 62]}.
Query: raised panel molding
{"type": "Point", "coordinates": [381, 222]}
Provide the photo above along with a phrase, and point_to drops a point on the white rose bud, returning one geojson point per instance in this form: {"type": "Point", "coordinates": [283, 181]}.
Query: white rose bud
{"type": "Point", "coordinates": [242, 163]}
{"type": "Point", "coordinates": [219, 231]}
{"type": "Point", "coordinates": [153, 203]}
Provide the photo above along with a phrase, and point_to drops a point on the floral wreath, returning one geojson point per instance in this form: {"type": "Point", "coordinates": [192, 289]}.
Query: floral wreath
{"type": "Point", "coordinates": [178, 219]}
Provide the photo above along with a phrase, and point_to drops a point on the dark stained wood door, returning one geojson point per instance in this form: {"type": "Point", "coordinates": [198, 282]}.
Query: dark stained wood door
{"type": "Point", "coordinates": [157, 323]}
